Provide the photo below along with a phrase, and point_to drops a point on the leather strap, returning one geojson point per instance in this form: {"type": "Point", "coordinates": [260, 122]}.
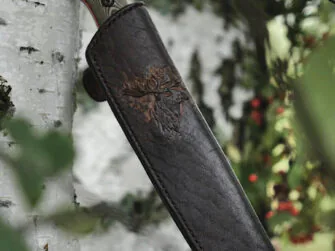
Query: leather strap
{"type": "Point", "coordinates": [171, 138]}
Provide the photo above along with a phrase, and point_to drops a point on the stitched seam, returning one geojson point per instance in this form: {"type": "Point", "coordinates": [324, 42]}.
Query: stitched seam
{"type": "Point", "coordinates": [112, 20]}
{"type": "Point", "coordinates": [131, 134]}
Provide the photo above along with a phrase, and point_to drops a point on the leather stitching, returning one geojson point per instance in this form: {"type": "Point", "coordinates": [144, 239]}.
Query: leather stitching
{"type": "Point", "coordinates": [98, 36]}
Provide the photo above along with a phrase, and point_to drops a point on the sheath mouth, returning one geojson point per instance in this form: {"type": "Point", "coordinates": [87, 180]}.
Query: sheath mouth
{"type": "Point", "coordinates": [101, 10]}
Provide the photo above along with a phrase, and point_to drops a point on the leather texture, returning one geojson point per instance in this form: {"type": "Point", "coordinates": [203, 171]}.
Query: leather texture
{"type": "Point", "coordinates": [92, 86]}
{"type": "Point", "coordinates": [171, 138]}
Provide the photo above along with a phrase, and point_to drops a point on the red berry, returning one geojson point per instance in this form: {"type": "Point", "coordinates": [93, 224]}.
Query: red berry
{"type": "Point", "coordinates": [294, 211]}
{"type": "Point", "coordinates": [309, 41]}
{"type": "Point", "coordinates": [295, 239]}
{"type": "Point", "coordinates": [253, 178]}
{"type": "Point", "coordinates": [280, 110]}
{"type": "Point", "coordinates": [301, 238]}
{"type": "Point", "coordinates": [282, 173]}
{"type": "Point", "coordinates": [257, 117]}
{"type": "Point", "coordinates": [269, 214]}
{"type": "Point", "coordinates": [285, 206]}
{"type": "Point", "coordinates": [255, 103]}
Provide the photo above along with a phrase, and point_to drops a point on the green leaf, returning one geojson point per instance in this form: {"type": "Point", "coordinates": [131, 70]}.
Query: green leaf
{"type": "Point", "coordinates": [198, 4]}
{"type": "Point", "coordinates": [281, 165]}
{"type": "Point", "coordinates": [279, 218]}
{"type": "Point", "coordinates": [20, 131]}
{"type": "Point", "coordinates": [233, 153]}
{"type": "Point", "coordinates": [59, 150]}
{"type": "Point", "coordinates": [10, 240]}
{"type": "Point", "coordinates": [31, 182]}
{"type": "Point", "coordinates": [39, 157]}
{"type": "Point", "coordinates": [295, 176]}
{"type": "Point", "coordinates": [315, 100]}
{"type": "Point", "coordinates": [80, 222]}
{"type": "Point", "coordinates": [127, 202]}
{"type": "Point", "coordinates": [278, 150]}
{"type": "Point", "coordinates": [328, 219]}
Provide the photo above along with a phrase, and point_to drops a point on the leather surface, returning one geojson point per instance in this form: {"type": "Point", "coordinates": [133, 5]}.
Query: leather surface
{"type": "Point", "coordinates": [169, 135]}
{"type": "Point", "coordinates": [92, 87]}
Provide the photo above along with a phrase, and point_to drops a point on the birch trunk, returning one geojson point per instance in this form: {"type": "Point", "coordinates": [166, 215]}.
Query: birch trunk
{"type": "Point", "coordinates": [39, 40]}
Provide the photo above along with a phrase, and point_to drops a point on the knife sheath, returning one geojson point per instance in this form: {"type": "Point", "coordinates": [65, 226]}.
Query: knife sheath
{"type": "Point", "coordinates": [132, 70]}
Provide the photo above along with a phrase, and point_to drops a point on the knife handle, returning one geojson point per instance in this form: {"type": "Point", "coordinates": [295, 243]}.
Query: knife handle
{"type": "Point", "coordinates": [170, 136]}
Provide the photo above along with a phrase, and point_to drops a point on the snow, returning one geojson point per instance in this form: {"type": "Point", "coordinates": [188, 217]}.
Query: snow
{"type": "Point", "coordinates": [106, 165]}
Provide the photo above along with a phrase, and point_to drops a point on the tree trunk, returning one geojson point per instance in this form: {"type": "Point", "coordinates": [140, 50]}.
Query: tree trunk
{"type": "Point", "coordinates": [39, 40]}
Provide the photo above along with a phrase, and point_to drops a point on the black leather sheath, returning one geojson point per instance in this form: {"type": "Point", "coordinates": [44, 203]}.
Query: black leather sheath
{"type": "Point", "coordinates": [135, 74]}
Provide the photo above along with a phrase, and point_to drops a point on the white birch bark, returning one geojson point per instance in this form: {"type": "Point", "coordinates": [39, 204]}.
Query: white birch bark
{"type": "Point", "coordinates": [42, 81]}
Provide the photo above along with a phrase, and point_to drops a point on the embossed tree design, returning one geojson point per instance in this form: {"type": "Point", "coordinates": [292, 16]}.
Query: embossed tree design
{"type": "Point", "coordinates": [159, 96]}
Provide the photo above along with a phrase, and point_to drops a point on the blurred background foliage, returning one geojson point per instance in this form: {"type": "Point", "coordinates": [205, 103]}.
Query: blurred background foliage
{"type": "Point", "coordinates": [283, 148]}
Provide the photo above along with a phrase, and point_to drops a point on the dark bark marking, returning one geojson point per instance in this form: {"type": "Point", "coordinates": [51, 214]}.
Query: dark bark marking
{"type": "Point", "coordinates": [57, 123]}
{"type": "Point", "coordinates": [35, 3]}
{"type": "Point", "coordinates": [7, 107]}
{"type": "Point", "coordinates": [6, 203]}
{"type": "Point", "coordinates": [28, 49]}
{"type": "Point", "coordinates": [57, 57]}
{"type": "Point", "coordinates": [3, 22]}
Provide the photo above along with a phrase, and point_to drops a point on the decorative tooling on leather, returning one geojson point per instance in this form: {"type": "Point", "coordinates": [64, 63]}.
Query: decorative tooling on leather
{"type": "Point", "coordinates": [159, 96]}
